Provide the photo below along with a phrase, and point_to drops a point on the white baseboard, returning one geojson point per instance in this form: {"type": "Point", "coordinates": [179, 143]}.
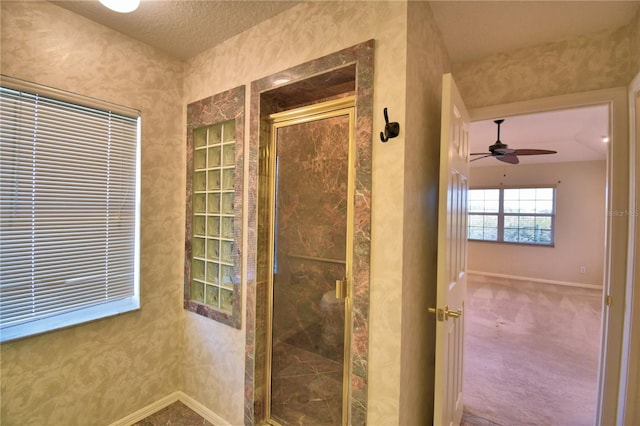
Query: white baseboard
{"type": "Point", "coordinates": [145, 412]}
{"type": "Point", "coordinates": [202, 410]}
{"type": "Point", "coordinates": [537, 280]}
{"type": "Point", "coordinates": [165, 402]}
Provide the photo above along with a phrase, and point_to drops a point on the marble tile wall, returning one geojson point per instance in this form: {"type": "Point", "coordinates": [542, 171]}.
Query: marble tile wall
{"type": "Point", "coordinates": [362, 55]}
{"type": "Point", "coordinates": [312, 220]}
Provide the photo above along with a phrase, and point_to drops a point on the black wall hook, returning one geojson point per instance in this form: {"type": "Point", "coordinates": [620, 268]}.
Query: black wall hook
{"type": "Point", "coordinates": [391, 130]}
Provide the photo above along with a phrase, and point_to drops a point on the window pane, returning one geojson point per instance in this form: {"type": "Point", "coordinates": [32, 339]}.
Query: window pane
{"type": "Point", "coordinates": [527, 206]}
{"type": "Point", "coordinates": [527, 221]}
{"type": "Point", "coordinates": [544, 193]}
{"type": "Point", "coordinates": [543, 222]}
{"type": "Point", "coordinates": [511, 194]}
{"type": "Point", "coordinates": [476, 206]}
{"type": "Point", "coordinates": [511, 206]}
{"type": "Point", "coordinates": [526, 235]}
{"type": "Point", "coordinates": [483, 227]}
{"type": "Point", "coordinates": [491, 235]}
{"type": "Point", "coordinates": [491, 207]}
{"type": "Point", "coordinates": [544, 206]}
{"type": "Point", "coordinates": [484, 200]}
{"type": "Point", "coordinates": [528, 215]}
{"type": "Point", "coordinates": [527, 193]}
{"type": "Point", "coordinates": [510, 222]}
{"type": "Point", "coordinates": [544, 237]}
{"type": "Point", "coordinates": [476, 220]}
{"type": "Point", "coordinates": [476, 233]}
{"type": "Point", "coordinates": [511, 235]}
{"type": "Point", "coordinates": [491, 221]}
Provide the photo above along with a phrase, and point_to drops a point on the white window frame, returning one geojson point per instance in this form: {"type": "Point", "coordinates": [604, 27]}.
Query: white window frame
{"type": "Point", "coordinates": [501, 214]}
{"type": "Point", "coordinates": [67, 312]}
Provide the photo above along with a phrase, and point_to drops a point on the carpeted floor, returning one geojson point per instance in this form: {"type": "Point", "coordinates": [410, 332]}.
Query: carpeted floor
{"type": "Point", "coordinates": [531, 352]}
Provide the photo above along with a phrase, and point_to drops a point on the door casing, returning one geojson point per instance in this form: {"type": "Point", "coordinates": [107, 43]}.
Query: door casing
{"type": "Point", "coordinates": [618, 244]}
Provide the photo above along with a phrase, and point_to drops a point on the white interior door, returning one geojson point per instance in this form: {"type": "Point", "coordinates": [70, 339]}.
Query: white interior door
{"type": "Point", "coordinates": [452, 255]}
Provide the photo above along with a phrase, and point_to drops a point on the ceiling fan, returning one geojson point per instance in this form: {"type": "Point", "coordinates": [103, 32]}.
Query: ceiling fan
{"type": "Point", "coordinates": [502, 152]}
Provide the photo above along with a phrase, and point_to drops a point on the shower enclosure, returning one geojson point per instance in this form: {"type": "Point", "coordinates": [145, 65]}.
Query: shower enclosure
{"type": "Point", "coordinates": [311, 231]}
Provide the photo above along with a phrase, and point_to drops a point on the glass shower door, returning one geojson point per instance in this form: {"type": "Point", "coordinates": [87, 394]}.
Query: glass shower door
{"type": "Point", "coordinates": [311, 207]}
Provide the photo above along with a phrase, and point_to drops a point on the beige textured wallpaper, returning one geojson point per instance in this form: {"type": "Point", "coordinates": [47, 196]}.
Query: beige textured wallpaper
{"type": "Point", "coordinates": [302, 33]}
{"type": "Point", "coordinates": [585, 63]}
{"type": "Point", "coordinates": [427, 60]}
{"type": "Point", "coordinates": [102, 371]}
{"type": "Point", "coordinates": [635, 46]}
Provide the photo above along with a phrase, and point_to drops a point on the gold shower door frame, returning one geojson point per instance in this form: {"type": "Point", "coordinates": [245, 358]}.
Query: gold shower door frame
{"type": "Point", "coordinates": [339, 107]}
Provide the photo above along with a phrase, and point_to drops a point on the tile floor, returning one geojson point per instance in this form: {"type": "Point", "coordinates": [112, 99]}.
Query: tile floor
{"type": "Point", "coordinates": [176, 414]}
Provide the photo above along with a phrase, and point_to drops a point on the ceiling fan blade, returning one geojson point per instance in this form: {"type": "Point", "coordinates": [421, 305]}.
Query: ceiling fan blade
{"type": "Point", "coordinates": [508, 158]}
{"type": "Point", "coordinates": [480, 158]}
{"type": "Point", "coordinates": [534, 151]}
{"type": "Point", "coordinates": [480, 153]}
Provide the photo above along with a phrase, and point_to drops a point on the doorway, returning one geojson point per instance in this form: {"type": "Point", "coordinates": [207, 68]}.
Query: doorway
{"type": "Point", "coordinates": [311, 232]}
{"type": "Point", "coordinates": [608, 340]}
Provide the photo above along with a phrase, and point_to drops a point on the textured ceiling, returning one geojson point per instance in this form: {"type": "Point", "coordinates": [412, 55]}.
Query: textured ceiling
{"type": "Point", "coordinates": [475, 29]}
{"type": "Point", "coordinates": [576, 134]}
{"type": "Point", "coordinates": [182, 28]}
{"type": "Point", "coordinates": [470, 29]}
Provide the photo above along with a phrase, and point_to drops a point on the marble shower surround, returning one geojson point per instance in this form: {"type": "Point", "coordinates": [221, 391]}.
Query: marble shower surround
{"type": "Point", "coordinates": [311, 222]}
{"type": "Point", "coordinates": [362, 55]}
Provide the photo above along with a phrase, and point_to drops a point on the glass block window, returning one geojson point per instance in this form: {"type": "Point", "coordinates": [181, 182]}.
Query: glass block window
{"type": "Point", "coordinates": [214, 214]}
{"type": "Point", "coordinates": [512, 215]}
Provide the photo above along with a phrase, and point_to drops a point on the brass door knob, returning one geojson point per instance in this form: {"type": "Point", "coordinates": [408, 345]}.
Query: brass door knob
{"type": "Point", "coordinates": [444, 314]}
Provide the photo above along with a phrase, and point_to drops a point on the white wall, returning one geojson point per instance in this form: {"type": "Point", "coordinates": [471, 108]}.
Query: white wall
{"type": "Point", "coordinates": [580, 223]}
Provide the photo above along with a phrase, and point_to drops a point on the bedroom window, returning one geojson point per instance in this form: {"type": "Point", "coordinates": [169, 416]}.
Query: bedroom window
{"type": "Point", "coordinates": [69, 192]}
{"type": "Point", "coordinates": [512, 215]}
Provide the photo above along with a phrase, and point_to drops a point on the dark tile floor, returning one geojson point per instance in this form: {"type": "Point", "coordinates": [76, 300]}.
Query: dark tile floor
{"type": "Point", "coordinates": [176, 414]}
{"type": "Point", "coordinates": [306, 387]}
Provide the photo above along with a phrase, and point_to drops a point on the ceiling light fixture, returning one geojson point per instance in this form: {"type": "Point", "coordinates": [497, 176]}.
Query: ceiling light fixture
{"type": "Point", "coordinates": [122, 6]}
{"type": "Point", "coordinates": [605, 139]}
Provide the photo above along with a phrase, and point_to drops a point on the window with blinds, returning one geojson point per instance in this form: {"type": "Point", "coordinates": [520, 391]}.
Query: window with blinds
{"type": "Point", "coordinates": [69, 191]}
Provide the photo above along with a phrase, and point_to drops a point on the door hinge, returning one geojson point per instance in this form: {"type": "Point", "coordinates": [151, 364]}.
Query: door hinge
{"type": "Point", "coordinates": [608, 300]}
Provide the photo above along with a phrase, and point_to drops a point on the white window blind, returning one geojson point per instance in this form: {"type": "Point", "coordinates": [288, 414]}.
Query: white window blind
{"type": "Point", "coordinates": [69, 213]}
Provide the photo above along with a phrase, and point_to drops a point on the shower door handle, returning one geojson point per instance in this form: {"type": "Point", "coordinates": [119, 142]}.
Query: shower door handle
{"type": "Point", "coordinates": [341, 288]}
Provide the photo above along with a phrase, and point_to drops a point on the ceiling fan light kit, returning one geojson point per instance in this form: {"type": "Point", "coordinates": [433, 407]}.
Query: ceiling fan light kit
{"type": "Point", "coordinates": [502, 152]}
